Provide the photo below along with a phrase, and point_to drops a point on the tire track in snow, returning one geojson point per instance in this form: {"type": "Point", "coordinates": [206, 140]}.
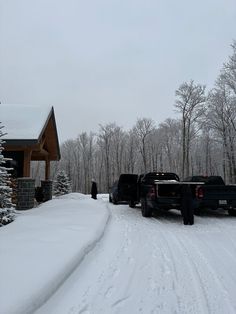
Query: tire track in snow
{"type": "Point", "coordinates": [139, 266]}
{"type": "Point", "coordinates": [222, 290]}
{"type": "Point", "coordinates": [166, 284]}
{"type": "Point", "coordinates": [179, 268]}
{"type": "Point", "coordinates": [210, 305]}
{"type": "Point", "coordinates": [121, 258]}
{"type": "Point", "coordinates": [209, 279]}
{"type": "Point", "coordinates": [188, 269]}
{"type": "Point", "coordinates": [220, 225]}
{"type": "Point", "coordinates": [155, 285]}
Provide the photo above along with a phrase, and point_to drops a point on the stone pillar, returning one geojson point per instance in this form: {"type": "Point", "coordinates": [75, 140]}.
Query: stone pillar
{"type": "Point", "coordinates": [46, 186]}
{"type": "Point", "coordinates": [25, 193]}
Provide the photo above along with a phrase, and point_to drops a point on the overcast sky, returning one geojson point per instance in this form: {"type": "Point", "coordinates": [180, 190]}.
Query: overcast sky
{"type": "Point", "coordinates": [102, 61]}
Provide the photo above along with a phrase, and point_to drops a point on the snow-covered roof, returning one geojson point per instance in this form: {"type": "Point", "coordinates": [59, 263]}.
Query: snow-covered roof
{"type": "Point", "coordinates": [23, 122]}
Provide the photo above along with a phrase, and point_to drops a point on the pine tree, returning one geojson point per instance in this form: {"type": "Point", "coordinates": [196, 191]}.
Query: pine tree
{"type": "Point", "coordinates": [6, 206]}
{"type": "Point", "coordinates": [62, 184]}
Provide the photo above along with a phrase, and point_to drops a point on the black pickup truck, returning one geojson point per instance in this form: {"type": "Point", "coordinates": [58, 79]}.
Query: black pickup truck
{"type": "Point", "coordinates": [163, 190]}
{"type": "Point", "coordinates": [213, 194]}
{"type": "Point", "coordinates": [124, 190]}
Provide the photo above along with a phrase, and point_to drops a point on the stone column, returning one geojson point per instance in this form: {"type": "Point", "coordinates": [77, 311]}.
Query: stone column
{"type": "Point", "coordinates": [46, 186]}
{"type": "Point", "coordinates": [25, 193]}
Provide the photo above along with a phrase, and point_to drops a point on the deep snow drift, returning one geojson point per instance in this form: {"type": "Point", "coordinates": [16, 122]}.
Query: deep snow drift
{"type": "Point", "coordinates": [138, 265]}
{"type": "Point", "coordinates": [41, 248]}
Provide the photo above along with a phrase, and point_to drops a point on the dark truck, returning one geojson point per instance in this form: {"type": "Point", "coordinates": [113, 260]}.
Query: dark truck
{"type": "Point", "coordinates": [213, 194]}
{"type": "Point", "coordinates": [125, 190]}
{"type": "Point", "coordinates": [163, 190]}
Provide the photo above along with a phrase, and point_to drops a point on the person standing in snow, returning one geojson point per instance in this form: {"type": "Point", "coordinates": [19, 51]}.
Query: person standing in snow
{"type": "Point", "coordinates": [187, 204]}
{"type": "Point", "coordinates": [94, 190]}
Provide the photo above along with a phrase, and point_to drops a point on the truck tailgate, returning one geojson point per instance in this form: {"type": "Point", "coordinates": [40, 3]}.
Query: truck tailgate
{"type": "Point", "coordinates": [219, 192]}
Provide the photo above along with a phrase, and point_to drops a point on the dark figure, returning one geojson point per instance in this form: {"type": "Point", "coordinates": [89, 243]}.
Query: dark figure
{"type": "Point", "coordinates": [94, 190]}
{"type": "Point", "coordinates": [187, 204]}
{"type": "Point", "coordinates": [39, 194]}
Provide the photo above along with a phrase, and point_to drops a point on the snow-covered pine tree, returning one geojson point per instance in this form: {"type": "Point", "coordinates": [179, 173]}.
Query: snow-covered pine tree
{"type": "Point", "coordinates": [6, 206]}
{"type": "Point", "coordinates": [62, 184]}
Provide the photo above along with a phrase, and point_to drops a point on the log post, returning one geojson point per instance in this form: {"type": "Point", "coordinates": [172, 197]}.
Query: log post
{"type": "Point", "coordinates": [27, 159]}
{"type": "Point", "coordinates": [47, 169]}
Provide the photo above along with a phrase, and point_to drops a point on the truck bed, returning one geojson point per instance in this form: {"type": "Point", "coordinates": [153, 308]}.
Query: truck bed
{"type": "Point", "coordinates": [216, 196]}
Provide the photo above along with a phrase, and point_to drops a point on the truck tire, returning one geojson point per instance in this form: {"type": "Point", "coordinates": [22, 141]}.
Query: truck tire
{"type": "Point", "coordinates": [191, 218]}
{"type": "Point", "coordinates": [232, 211]}
{"type": "Point", "coordinates": [146, 210]}
{"type": "Point", "coordinates": [131, 204]}
{"type": "Point", "coordinates": [185, 217]}
{"type": "Point", "coordinates": [114, 201]}
{"type": "Point", "coordinates": [188, 214]}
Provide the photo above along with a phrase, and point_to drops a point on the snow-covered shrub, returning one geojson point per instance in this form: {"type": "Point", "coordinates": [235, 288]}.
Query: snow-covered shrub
{"type": "Point", "coordinates": [6, 206]}
{"type": "Point", "coordinates": [7, 215]}
{"type": "Point", "coordinates": [62, 184]}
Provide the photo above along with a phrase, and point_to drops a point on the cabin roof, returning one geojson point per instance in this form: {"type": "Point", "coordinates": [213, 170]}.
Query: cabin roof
{"type": "Point", "coordinates": [23, 122]}
{"type": "Point", "coordinates": [27, 125]}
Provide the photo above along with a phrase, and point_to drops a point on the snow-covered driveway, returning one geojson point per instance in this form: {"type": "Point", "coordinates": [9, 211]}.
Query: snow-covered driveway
{"type": "Point", "coordinates": [155, 265]}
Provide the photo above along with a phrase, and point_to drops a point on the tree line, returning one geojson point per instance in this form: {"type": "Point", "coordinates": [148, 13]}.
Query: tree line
{"type": "Point", "coordinates": [201, 140]}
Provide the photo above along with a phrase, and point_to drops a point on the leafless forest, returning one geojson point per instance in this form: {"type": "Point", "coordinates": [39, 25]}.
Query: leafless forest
{"type": "Point", "coordinates": [202, 140]}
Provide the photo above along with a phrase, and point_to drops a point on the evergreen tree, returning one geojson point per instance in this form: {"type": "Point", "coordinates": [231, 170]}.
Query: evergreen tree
{"type": "Point", "coordinates": [6, 212]}
{"type": "Point", "coordinates": [62, 184]}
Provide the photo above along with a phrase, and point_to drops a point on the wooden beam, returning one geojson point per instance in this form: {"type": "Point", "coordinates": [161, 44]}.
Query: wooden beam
{"type": "Point", "coordinates": [47, 169]}
{"type": "Point", "coordinates": [21, 147]}
{"type": "Point", "coordinates": [27, 158]}
{"type": "Point", "coordinates": [42, 153]}
{"type": "Point", "coordinates": [43, 140]}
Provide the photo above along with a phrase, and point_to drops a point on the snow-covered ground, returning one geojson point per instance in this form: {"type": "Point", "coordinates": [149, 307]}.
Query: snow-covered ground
{"type": "Point", "coordinates": [76, 255]}
{"type": "Point", "coordinates": [43, 246]}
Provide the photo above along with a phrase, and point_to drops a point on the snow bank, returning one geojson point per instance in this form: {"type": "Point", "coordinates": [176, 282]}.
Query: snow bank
{"type": "Point", "coordinates": [43, 246]}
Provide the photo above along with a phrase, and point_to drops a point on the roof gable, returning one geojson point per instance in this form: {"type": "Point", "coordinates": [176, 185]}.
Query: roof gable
{"type": "Point", "coordinates": [30, 126]}
{"type": "Point", "coordinates": [23, 122]}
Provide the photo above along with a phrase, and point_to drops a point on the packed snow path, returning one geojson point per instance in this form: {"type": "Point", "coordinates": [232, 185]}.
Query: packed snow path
{"type": "Point", "coordinates": [154, 265]}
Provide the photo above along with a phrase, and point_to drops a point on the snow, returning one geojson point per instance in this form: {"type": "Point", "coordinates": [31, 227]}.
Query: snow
{"type": "Point", "coordinates": [41, 248]}
{"type": "Point", "coordinates": [23, 121]}
{"type": "Point", "coordinates": [77, 255]}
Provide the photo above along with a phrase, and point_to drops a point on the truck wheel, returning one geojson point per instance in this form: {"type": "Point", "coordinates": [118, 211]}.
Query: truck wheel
{"type": "Point", "coordinates": [191, 217]}
{"type": "Point", "coordinates": [188, 216]}
{"type": "Point", "coordinates": [146, 211]}
{"type": "Point", "coordinates": [131, 204]}
{"type": "Point", "coordinates": [232, 211]}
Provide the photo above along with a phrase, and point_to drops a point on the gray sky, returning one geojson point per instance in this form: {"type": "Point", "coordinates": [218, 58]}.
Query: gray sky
{"type": "Point", "coordinates": [108, 61]}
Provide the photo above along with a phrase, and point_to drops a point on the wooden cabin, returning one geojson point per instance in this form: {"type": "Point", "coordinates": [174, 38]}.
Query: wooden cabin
{"type": "Point", "coordinates": [31, 134]}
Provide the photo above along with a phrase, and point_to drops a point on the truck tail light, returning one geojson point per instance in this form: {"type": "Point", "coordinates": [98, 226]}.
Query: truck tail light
{"type": "Point", "coordinates": [199, 192]}
{"type": "Point", "coordinates": [151, 192]}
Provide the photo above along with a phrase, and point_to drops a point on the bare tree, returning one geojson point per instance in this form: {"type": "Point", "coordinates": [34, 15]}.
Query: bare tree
{"type": "Point", "coordinates": [228, 73]}
{"type": "Point", "coordinates": [190, 103]}
{"type": "Point", "coordinates": [170, 136]}
{"type": "Point", "coordinates": [143, 128]}
{"type": "Point", "coordinates": [105, 135]}
{"type": "Point", "coordinates": [131, 152]}
{"type": "Point", "coordinates": [222, 119]}
{"type": "Point", "coordinates": [118, 142]}
{"type": "Point", "coordinates": [67, 162]}
{"type": "Point", "coordinates": [85, 143]}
